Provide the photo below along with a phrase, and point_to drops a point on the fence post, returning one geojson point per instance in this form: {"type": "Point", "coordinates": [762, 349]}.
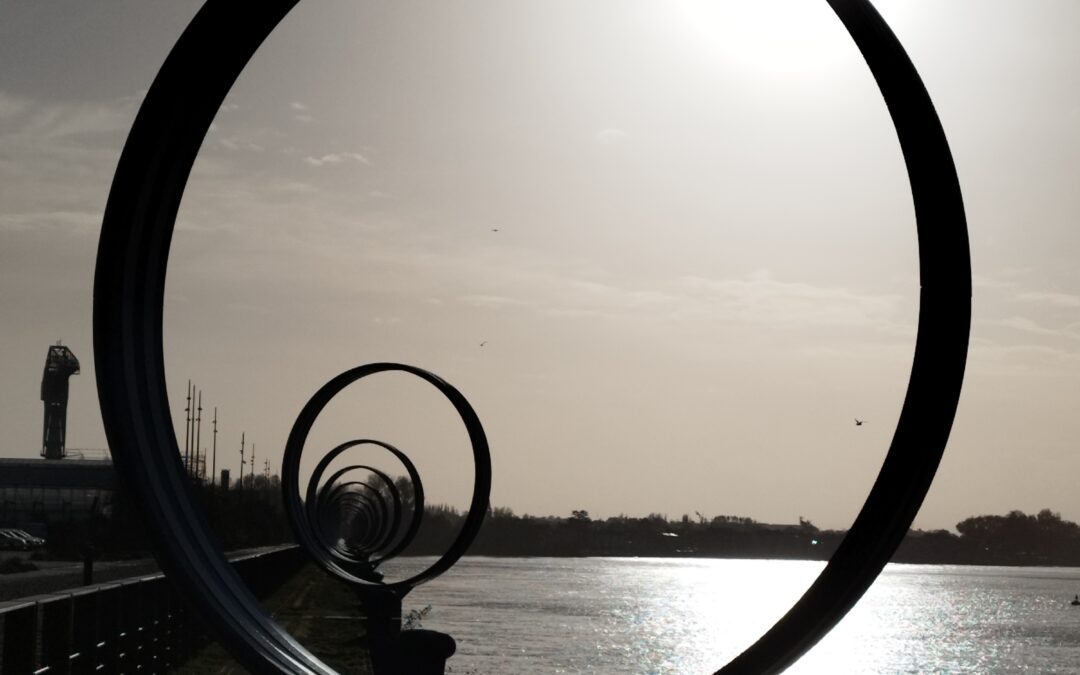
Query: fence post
{"type": "Point", "coordinates": [20, 633]}
{"type": "Point", "coordinates": [84, 630]}
{"type": "Point", "coordinates": [56, 634]}
{"type": "Point", "coordinates": [106, 649]}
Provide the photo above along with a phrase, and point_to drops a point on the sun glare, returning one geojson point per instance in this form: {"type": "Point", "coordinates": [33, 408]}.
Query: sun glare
{"type": "Point", "coordinates": [777, 38]}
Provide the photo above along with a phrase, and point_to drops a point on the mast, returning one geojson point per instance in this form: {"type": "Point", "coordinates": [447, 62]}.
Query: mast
{"type": "Point", "coordinates": [200, 469]}
{"type": "Point", "coordinates": [242, 462]}
{"type": "Point", "coordinates": [187, 429]}
{"type": "Point", "coordinates": [213, 460]}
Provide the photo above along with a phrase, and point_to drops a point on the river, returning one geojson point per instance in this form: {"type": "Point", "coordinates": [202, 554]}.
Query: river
{"type": "Point", "coordinates": [657, 615]}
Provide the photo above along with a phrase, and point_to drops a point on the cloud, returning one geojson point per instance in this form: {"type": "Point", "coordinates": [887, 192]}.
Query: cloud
{"type": "Point", "coordinates": [1028, 326]}
{"type": "Point", "coordinates": [86, 221]}
{"type": "Point", "coordinates": [337, 158]}
{"type": "Point", "coordinates": [1050, 298]}
{"type": "Point", "coordinates": [755, 300]}
{"type": "Point", "coordinates": [11, 106]}
{"type": "Point", "coordinates": [761, 299]}
{"type": "Point", "coordinates": [494, 301]}
{"type": "Point", "coordinates": [234, 143]}
{"type": "Point", "coordinates": [610, 136]}
{"type": "Point", "coordinates": [59, 121]}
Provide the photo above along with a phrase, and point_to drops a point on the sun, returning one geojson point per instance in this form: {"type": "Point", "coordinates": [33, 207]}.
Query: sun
{"type": "Point", "coordinates": [766, 38]}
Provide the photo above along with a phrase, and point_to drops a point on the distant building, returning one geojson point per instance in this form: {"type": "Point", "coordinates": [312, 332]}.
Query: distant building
{"type": "Point", "coordinates": [46, 491]}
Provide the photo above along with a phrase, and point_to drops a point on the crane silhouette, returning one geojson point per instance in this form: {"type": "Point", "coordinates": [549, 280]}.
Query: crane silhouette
{"type": "Point", "coordinates": [60, 364]}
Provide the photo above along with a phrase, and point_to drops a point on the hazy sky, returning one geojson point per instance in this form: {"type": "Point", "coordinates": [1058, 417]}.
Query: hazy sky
{"type": "Point", "coordinates": [705, 264]}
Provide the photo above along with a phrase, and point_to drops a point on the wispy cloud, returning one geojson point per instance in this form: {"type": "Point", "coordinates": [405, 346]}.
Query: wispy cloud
{"type": "Point", "coordinates": [1050, 298]}
{"type": "Point", "coordinates": [757, 299]}
{"type": "Point", "coordinates": [234, 143]}
{"type": "Point", "coordinates": [87, 221]}
{"type": "Point", "coordinates": [301, 113]}
{"type": "Point", "coordinates": [56, 121]}
{"type": "Point", "coordinates": [11, 106]}
{"type": "Point", "coordinates": [337, 158]}
{"type": "Point", "coordinates": [610, 136]}
{"type": "Point", "coordinates": [1028, 326]}
{"type": "Point", "coordinates": [763, 299]}
{"type": "Point", "coordinates": [495, 301]}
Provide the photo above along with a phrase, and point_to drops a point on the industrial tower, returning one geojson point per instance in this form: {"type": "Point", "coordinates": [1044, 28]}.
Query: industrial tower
{"type": "Point", "coordinates": [60, 364]}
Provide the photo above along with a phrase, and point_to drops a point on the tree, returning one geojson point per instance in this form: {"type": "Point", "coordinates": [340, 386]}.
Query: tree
{"type": "Point", "coordinates": [581, 516]}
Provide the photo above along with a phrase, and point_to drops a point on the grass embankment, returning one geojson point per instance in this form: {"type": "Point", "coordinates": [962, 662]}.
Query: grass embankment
{"type": "Point", "coordinates": [319, 612]}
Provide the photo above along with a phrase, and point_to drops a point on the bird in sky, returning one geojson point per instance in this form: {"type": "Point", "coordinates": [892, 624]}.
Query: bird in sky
{"type": "Point", "coordinates": [859, 422]}
{"type": "Point", "coordinates": [485, 342]}
{"type": "Point", "coordinates": [494, 229]}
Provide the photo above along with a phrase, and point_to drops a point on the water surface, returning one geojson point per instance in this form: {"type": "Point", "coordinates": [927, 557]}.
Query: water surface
{"type": "Point", "coordinates": [657, 615]}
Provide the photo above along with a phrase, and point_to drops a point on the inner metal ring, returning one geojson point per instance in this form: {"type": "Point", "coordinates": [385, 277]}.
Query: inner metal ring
{"type": "Point", "coordinates": [129, 287]}
{"type": "Point", "coordinates": [391, 527]}
{"type": "Point", "coordinates": [414, 479]}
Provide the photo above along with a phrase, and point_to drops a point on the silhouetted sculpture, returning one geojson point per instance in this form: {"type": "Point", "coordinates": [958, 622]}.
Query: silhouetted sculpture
{"type": "Point", "coordinates": [129, 284]}
{"type": "Point", "coordinates": [60, 364]}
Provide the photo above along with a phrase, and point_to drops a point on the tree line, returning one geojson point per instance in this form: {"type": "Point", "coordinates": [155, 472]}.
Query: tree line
{"type": "Point", "coordinates": [1015, 538]}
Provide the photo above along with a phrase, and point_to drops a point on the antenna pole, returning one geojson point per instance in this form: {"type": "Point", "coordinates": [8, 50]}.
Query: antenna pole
{"type": "Point", "coordinates": [242, 462]}
{"type": "Point", "coordinates": [187, 428]}
{"type": "Point", "coordinates": [213, 459]}
{"type": "Point", "coordinates": [200, 466]}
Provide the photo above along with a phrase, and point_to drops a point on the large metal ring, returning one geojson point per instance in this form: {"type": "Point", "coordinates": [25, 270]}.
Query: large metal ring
{"type": "Point", "coordinates": [130, 280]}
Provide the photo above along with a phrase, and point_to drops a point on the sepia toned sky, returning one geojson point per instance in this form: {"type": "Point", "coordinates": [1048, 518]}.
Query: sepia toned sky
{"type": "Point", "coordinates": [681, 229]}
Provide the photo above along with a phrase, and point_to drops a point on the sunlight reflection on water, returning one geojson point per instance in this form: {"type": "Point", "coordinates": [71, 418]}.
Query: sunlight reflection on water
{"type": "Point", "coordinates": [649, 615]}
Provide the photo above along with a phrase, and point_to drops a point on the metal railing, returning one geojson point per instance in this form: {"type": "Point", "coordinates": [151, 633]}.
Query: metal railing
{"type": "Point", "coordinates": [139, 624]}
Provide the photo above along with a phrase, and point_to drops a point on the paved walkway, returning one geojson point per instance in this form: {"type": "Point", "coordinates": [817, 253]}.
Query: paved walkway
{"type": "Point", "coordinates": [56, 576]}
{"type": "Point", "coordinates": [319, 612]}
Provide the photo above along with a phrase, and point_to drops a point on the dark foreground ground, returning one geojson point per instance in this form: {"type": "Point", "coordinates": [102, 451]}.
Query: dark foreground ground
{"type": "Point", "coordinates": [319, 612]}
{"type": "Point", "coordinates": [53, 576]}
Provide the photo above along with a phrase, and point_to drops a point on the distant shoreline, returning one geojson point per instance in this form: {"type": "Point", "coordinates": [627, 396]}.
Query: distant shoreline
{"type": "Point", "coordinates": [1012, 540]}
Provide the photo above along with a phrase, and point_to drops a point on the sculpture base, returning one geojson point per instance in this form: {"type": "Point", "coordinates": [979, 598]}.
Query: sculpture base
{"type": "Point", "coordinates": [414, 652]}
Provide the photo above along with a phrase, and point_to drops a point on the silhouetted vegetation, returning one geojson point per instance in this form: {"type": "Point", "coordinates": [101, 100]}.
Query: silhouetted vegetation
{"type": "Point", "coordinates": [1012, 539]}
{"type": "Point", "coordinates": [239, 518]}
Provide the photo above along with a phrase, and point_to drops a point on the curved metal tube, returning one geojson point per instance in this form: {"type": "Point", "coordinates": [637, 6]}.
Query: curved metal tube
{"type": "Point", "coordinates": [414, 480]}
{"type": "Point", "coordinates": [395, 498]}
{"type": "Point", "coordinates": [340, 495]}
{"type": "Point", "coordinates": [937, 371]}
{"type": "Point", "coordinates": [294, 451]}
{"type": "Point", "coordinates": [129, 287]}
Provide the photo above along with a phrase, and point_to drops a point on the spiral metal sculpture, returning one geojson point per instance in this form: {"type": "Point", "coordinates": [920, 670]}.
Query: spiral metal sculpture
{"type": "Point", "coordinates": [129, 287]}
{"type": "Point", "coordinates": [383, 551]}
{"type": "Point", "coordinates": [332, 503]}
{"type": "Point", "coordinates": [303, 518]}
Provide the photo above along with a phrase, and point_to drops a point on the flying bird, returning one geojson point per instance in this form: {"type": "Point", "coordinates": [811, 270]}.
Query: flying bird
{"type": "Point", "coordinates": [485, 342]}
{"type": "Point", "coordinates": [494, 229]}
{"type": "Point", "coordinates": [859, 422]}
